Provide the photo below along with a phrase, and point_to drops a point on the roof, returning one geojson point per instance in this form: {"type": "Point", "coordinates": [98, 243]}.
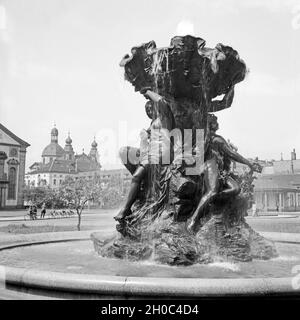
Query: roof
{"type": "Point", "coordinates": [12, 135]}
{"type": "Point", "coordinates": [67, 166]}
{"type": "Point", "coordinates": [59, 166]}
{"type": "Point", "coordinates": [287, 166]}
{"type": "Point", "coordinates": [35, 164]}
{"type": "Point", "coordinates": [280, 181]}
{"type": "Point", "coordinates": [86, 164]}
{"type": "Point", "coordinates": [53, 150]}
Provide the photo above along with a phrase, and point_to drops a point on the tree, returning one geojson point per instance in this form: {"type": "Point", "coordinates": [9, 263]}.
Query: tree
{"type": "Point", "coordinates": [40, 195]}
{"type": "Point", "coordinates": [111, 197]}
{"type": "Point", "coordinates": [78, 192]}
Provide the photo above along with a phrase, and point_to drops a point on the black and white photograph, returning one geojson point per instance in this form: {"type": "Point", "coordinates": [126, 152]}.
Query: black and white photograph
{"type": "Point", "coordinates": [149, 150]}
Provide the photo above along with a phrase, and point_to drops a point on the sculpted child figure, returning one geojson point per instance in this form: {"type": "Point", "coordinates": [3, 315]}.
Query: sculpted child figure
{"type": "Point", "coordinates": [155, 145]}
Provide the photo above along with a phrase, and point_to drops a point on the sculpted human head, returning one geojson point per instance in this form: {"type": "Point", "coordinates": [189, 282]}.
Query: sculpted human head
{"type": "Point", "coordinates": [149, 109]}
{"type": "Point", "coordinates": [212, 122]}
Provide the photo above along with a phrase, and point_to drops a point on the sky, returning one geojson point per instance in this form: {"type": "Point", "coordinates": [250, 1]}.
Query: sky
{"type": "Point", "coordinates": [59, 63]}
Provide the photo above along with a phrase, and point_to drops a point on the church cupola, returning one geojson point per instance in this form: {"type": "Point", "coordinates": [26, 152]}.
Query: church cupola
{"type": "Point", "coordinates": [53, 150]}
{"type": "Point", "coordinates": [69, 152]}
{"type": "Point", "coordinates": [54, 135]}
{"type": "Point", "coordinates": [94, 151]}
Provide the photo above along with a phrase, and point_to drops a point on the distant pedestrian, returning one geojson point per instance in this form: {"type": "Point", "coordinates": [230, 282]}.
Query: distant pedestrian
{"type": "Point", "coordinates": [31, 214]}
{"type": "Point", "coordinates": [34, 212]}
{"type": "Point", "coordinates": [43, 211]}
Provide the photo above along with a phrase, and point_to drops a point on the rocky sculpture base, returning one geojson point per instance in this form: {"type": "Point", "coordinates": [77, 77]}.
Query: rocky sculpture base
{"type": "Point", "coordinates": [222, 237]}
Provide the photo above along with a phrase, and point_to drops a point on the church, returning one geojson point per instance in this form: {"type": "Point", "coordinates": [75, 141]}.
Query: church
{"type": "Point", "coordinates": [57, 163]}
{"type": "Point", "coordinates": [12, 169]}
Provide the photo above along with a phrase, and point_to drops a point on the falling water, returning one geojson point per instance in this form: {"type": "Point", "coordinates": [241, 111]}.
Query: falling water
{"type": "Point", "coordinates": [157, 66]}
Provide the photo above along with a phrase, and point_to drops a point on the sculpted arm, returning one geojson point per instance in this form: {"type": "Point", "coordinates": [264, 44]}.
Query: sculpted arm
{"type": "Point", "coordinates": [162, 107]}
{"type": "Point", "coordinates": [225, 103]}
{"type": "Point", "coordinates": [223, 145]}
{"type": "Point", "coordinates": [155, 97]}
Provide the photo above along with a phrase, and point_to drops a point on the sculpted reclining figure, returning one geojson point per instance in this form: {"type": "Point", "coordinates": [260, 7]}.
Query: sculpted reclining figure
{"type": "Point", "coordinates": [217, 180]}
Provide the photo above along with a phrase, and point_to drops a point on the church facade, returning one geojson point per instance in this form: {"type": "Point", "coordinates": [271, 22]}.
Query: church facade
{"type": "Point", "coordinates": [57, 163]}
{"type": "Point", "coordinates": [12, 169]}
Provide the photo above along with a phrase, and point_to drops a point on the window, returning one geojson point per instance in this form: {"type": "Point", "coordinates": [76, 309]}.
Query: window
{"type": "Point", "coordinates": [292, 200]}
{"type": "Point", "coordinates": [12, 184]}
{"type": "Point", "coordinates": [54, 182]}
{"type": "Point", "coordinates": [60, 181]}
{"type": "Point", "coordinates": [1, 168]}
{"type": "Point", "coordinates": [265, 199]}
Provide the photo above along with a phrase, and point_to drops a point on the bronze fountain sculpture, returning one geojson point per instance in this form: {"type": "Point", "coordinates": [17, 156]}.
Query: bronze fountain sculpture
{"type": "Point", "coordinates": [185, 205]}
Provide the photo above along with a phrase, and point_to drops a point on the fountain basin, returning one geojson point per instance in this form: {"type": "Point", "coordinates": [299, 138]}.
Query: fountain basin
{"type": "Point", "coordinates": [69, 268]}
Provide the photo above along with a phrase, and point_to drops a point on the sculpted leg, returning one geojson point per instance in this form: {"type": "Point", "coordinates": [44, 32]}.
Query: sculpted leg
{"type": "Point", "coordinates": [130, 158]}
{"type": "Point", "coordinates": [232, 189]}
{"type": "Point", "coordinates": [134, 188]}
{"type": "Point", "coordinates": [211, 181]}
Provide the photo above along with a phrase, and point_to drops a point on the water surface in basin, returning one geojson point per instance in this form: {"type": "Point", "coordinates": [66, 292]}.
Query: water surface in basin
{"type": "Point", "coordinates": [80, 257]}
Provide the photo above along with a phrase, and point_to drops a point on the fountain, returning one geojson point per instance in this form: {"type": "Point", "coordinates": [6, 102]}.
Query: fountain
{"type": "Point", "coordinates": [184, 218]}
{"type": "Point", "coordinates": [190, 208]}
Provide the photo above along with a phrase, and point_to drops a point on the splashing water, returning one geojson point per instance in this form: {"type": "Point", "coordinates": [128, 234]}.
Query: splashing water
{"type": "Point", "coordinates": [286, 258]}
{"type": "Point", "coordinates": [226, 265]}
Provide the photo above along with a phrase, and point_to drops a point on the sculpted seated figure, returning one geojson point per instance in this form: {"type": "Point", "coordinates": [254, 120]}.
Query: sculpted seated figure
{"type": "Point", "coordinates": [217, 181]}
{"type": "Point", "coordinates": [155, 146]}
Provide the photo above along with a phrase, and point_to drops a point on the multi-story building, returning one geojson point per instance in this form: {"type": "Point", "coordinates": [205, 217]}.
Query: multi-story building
{"type": "Point", "coordinates": [57, 163]}
{"type": "Point", "coordinates": [278, 187]}
{"type": "Point", "coordinates": [119, 178]}
{"type": "Point", "coordinates": [12, 169]}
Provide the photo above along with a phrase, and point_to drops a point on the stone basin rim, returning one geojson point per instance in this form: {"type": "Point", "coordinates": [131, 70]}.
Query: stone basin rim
{"type": "Point", "coordinates": [123, 286]}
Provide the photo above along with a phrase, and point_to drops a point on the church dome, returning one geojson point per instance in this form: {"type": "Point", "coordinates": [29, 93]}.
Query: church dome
{"type": "Point", "coordinates": [53, 150]}
{"type": "Point", "coordinates": [94, 144]}
{"type": "Point", "coordinates": [69, 140]}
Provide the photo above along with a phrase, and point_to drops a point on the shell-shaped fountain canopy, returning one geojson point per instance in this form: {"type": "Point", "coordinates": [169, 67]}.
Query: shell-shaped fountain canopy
{"type": "Point", "coordinates": [185, 69]}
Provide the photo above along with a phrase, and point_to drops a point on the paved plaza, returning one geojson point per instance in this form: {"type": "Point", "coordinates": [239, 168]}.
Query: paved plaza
{"type": "Point", "coordinates": [101, 219]}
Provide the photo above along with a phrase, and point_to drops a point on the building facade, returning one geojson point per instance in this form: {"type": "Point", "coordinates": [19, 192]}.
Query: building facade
{"type": "Point", "coordinates": [120, 178]}
{"type": "Point", "coordinates": [57, 163]}
{"type": "Point", "coordinates": [278, 187]}
{"type": "Point", "coordinates": [277, 192]}
{"type": "Point", "coordinates": [12, 169]}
